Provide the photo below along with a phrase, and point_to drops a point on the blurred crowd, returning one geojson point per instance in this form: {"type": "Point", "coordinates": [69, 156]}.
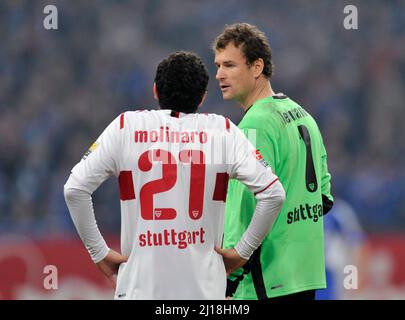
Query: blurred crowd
{"type": "Point", "coordinates": [60, 88]}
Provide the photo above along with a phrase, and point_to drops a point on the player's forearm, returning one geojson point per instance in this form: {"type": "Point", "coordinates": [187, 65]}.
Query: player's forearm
{"type": "Point", "coordinates": [267, 209]}
{"type": "Point", "coordinates": [80, 207]}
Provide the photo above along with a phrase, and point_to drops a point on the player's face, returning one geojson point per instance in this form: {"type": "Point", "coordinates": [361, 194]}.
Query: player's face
{"type": "Point", "coordinates": [236, 78]}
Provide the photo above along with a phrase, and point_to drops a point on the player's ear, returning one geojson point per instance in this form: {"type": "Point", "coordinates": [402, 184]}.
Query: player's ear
{"type": "Point", "coordinates": [155, 93]}
{"type": "Point", "coordinates": [258, 67]}
{"type": "Point", "coordinates": [203, 99]}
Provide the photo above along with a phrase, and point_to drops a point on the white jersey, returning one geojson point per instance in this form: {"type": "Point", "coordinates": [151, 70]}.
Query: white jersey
{"type": "Point", "coordinates": [173, 171]}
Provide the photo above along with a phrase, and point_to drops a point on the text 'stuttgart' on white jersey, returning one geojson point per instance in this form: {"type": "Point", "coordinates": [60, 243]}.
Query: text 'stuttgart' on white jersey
{"type": "Point", "coordinates": [173, 171]}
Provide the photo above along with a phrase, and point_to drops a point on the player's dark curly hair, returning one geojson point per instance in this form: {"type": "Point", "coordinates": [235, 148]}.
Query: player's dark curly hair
{"type": "Point", "coordinates": [254, 44]}
{"type": "Point", "coordinates": [181, 82]}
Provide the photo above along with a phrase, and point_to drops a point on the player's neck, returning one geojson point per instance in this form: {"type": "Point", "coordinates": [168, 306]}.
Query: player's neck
{"type": "Point", "coordinates": [261, 90]}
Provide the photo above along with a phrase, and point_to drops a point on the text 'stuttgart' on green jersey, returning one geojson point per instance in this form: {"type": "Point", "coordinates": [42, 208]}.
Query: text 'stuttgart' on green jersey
{"type": "Point", "coordinates": [291, 257]}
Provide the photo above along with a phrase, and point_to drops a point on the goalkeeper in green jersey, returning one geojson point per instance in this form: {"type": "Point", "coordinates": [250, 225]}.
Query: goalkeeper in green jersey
{"type": "Point", "coordinates": [290, 262]}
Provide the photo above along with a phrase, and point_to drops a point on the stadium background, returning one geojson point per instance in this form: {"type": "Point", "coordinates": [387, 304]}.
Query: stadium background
{"type": "Point", "coordinates": [60, 88]}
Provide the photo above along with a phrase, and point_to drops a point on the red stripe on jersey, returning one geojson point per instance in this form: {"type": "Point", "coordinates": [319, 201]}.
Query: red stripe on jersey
{"type": "Point", "coordinates": [122, 121]}
{"type": "Point", "coordinates": [126, 183]}
{"type": "Point", "coordinates": [221, 186]}
{"type": "Point", "coordinates": [266, 187]}
{"type": "Point", "coordinates": [228, 124]}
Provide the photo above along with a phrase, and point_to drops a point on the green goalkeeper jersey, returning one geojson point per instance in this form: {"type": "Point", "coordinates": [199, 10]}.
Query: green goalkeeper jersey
{"type": "Point", "coordinates": [291, 257]}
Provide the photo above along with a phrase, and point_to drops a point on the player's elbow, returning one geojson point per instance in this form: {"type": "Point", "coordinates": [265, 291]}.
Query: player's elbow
{"type": "Point", "coordinates": [278, 193]}
{"type": "Point", "coordinates": [74, 191]}
{"type": "Point", "coordinates": [69, 193]}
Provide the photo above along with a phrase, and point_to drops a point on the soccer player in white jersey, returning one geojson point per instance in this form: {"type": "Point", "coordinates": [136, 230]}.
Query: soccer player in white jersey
{"type": "Point", "coordinates": [173, 167]}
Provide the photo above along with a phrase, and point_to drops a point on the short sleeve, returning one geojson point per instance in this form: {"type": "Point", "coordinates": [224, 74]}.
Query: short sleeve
{"type": "Point", "coordinates": [247, 163]}
{"type": "Point", "coordinates": [265, 144]}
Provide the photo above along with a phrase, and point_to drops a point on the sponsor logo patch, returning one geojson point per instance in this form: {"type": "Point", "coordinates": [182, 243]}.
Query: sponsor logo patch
{"type": "Point", "coordinates": [260, 158]}
{"type": "Point", "coordinates": [257, 155]}
{"type": "Point", "coordinates": [91, 149]}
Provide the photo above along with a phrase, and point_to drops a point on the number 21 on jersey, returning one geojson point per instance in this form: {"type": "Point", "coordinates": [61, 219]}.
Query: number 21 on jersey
{"type": "Point", "coordinates": [170, 167]}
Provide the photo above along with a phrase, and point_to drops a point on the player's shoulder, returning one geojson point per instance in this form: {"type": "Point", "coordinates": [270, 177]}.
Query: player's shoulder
{"type": "Point", "coordinates": [210, 115]}
{"type": "Point", "coordinates": [261, 117]}
{"type": "Point", "coordinates": [136, 113]}
{"type": "Point", "coordinates": [127, 119]}
{"type": "Point", "coordinates": [215, 120]}
{"type": "Point", "coordinates": [296, 109]}
{"type": "Point", "coordinates": [139, 113]}
{"type": "Point", "coordinates": [300, 113]}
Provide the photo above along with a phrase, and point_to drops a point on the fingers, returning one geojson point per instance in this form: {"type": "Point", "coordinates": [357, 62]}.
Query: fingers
{"type": "Point", "coordinates": [219, 250]}
{"type": "Point", "coordinates": [113, 281]}
{"type": "Point", "coordinates": [115, 257]}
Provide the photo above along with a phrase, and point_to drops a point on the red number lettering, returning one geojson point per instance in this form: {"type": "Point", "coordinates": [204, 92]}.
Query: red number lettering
{"type": "Point", "coordinates": [149, 189]}
{"type": "Point", "coordinates": [195, 158]}
{"type": "Point", "coordinates": [197, 181]}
